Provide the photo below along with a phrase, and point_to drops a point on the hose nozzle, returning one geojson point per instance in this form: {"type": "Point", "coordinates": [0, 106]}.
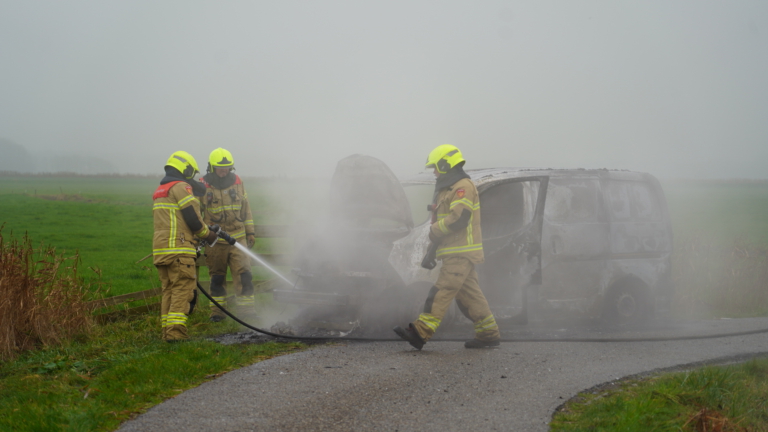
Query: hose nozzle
{"type": "Point", "coordinates": [222, 234]}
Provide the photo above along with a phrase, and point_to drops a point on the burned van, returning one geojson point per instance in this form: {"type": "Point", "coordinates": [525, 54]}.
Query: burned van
{"type": "Point", "coordinates": [560, 242]}
{"type": "Point", "coordinates": [582, 243]}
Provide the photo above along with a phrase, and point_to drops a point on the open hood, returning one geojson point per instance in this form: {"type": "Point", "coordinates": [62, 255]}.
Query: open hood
{"type": "Point", "coordinates": [365, 194]}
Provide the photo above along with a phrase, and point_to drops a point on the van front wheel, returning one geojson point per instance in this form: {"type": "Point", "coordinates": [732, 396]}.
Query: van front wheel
{"type": "Point", "coordinates": [625, 305]}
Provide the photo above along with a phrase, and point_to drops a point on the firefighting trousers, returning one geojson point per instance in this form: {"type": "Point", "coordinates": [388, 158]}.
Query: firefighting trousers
{"type": "Point", "coordinates": [178, 285]}
{"type": "Point", "coordinates": [218, 258]}
{"type": "Point", "coordinates": [457, 280]}
{"type": "Point", "coordinates": [222, 255]}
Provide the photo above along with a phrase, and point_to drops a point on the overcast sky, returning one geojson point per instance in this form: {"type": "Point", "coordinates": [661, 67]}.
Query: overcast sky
{"type": "Point", "coordinates": [675, 88]}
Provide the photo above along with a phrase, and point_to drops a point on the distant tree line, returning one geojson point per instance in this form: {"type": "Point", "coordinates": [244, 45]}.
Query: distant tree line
{"type": "Point", "coordinates": [16, 158]}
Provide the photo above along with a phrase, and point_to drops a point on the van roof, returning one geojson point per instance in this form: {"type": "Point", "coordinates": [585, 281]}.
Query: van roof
{"type": "Point", "coordinates": [490, 175]}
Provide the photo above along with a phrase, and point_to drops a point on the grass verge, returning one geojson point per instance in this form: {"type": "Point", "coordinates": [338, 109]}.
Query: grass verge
{"type": "Point", "coordinates": [121, 370]}
{"type": "Point", "coordinates": [713, 398]}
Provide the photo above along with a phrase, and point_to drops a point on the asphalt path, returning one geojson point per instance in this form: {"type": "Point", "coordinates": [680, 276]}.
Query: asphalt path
{"type": "Point", "coordinates": [445, 387]}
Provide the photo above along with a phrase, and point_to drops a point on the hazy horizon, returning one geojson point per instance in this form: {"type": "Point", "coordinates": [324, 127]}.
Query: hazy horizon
{"type": "Point", "coordinates": [676, 88]}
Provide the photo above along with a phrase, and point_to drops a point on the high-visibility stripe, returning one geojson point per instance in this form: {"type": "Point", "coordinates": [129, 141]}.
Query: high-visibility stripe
{"type": "Point", "coordinates": [464, 201]}
{"type": "Point", "coordinates": [165, 205]}
{"type": "Point", "coordinates": [164, 320]}
{"type": "Point", "coordinates": [204, 232]}
{"type": "Point", "coordinates": [187, 199]}
{"type": "Point", "coordinates": [248, 222]}
{"type": "Point", "coordinates": [222, 300]}
{"type": "Point", "coordinates": [178, 250]}
{"type": "Point", "coordinates": [442, 226]}
{"type": "Point", "coordinates": [486, 324]}
{"type": "Point", "coordinates": [457, 249]}
{"type": "Point", "coordinates": [174, 227]}
{"type": "Point", "coordinates": [430, 321]}
{"type": "Point", "coordinates": [177, 318]}
{"type": "Point", "coordinates": [245, 300]}
{"type": "Point", "coordinates": [234, 207]}
{"type": "Point", "coordinates": [470, 238]}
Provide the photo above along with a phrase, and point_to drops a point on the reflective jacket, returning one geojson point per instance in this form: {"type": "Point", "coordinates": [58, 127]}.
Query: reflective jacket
{"type": "Point", "coordinates": [457, 225]}
{"type": "Point", "coordinates": [229, 209]}
{"type": "Point", "coordinates": [173, 237]}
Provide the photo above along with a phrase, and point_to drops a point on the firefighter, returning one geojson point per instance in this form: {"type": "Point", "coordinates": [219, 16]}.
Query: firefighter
{"type": "Point", "coordinates": [455, 231]}
{"type": "Point", "coordinates": [226, 204]}
{"type": "Point", "coordinates": [178, 229]}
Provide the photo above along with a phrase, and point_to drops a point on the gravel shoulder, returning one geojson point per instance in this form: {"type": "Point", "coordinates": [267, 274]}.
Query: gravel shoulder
{"type": "Point", "coordinates": [444, 387]}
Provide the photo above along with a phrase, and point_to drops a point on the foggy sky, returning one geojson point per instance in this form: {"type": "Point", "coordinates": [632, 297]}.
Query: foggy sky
{"type": "Point", "coordinates": [675, 88]}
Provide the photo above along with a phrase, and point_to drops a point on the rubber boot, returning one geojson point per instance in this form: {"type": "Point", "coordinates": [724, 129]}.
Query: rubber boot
{"type": "Point", "coordinates": [219, 293]}
{"type": "Point", "coordinates": [410, 335]}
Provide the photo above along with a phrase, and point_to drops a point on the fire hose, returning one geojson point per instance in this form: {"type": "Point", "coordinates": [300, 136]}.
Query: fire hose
{"type": "Point", "coordinates": [226, 237]}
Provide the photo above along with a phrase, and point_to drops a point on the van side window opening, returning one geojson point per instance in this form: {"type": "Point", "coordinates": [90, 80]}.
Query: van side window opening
{"type": "Point", "coordinates": [506, 208]}
{"type": "Point", "coordinates": [572, 200]}
{"type": "Point", "coordinates": [644, 202]}
{"type": "Point", "coordinates": [632, 200]}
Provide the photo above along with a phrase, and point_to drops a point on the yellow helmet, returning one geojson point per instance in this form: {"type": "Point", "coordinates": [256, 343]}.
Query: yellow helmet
{"type": "Point", "coordinates": [184, 162]}
{"type": "Point", "coordinates": [220, 158]}
{"type": "Point", "coordinates": [444, 157]}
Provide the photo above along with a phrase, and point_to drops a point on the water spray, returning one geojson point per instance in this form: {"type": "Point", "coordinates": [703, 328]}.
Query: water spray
{"type": "Point", "coordinates": [262, 262]}
{"type": "Point", "coordinates": [227, 238]}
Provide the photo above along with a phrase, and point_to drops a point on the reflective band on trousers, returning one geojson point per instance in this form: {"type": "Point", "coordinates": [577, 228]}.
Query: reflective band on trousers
{"type": "Point", "coordinates": [430, 321]}
{"type": "Point", "coordinates": [164, 319]}
{"type": "Point", "coordinates": [176, 318]}
{"type": "Point", "coordinates": [245, 300]}
{"type": "Point", "coordinates": [220, 300]}
{"type": "Point", "coordinates": [486, 324]}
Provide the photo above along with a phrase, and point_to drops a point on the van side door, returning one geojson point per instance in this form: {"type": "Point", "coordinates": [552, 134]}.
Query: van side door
{"type": "Point", "coordinates": [576, 245]}
{"type": "Point", "coordinates": [512, 212]}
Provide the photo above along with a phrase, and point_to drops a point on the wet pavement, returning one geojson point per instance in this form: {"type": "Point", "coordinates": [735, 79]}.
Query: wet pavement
{"type": "Point", "coordinates": [390, 386]}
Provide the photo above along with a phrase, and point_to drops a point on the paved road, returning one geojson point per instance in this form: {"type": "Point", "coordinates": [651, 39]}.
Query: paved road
{"type": "Point", "coordinates": [389, 386]}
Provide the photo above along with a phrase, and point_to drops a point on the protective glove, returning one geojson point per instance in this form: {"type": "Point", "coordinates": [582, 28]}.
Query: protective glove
{"type": "Point", "coordinates": [250, 240]}
{"type": "Point", "coordinates": [211, 237]}
{"type": "Point", "coordinates": [430, 259]}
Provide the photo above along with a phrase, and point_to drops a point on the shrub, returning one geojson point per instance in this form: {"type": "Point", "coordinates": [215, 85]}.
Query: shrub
{"type": "Point", "coordinates": [42, 298]}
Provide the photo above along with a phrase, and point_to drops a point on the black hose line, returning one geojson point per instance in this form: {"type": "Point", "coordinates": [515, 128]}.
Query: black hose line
{"type": "Point", "coordinates": [357, 339]}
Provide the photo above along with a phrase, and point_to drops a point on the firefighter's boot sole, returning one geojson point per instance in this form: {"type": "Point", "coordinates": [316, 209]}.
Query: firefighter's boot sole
{"type": "Point", "coordinates": [409, 335]}
{"type": "Point", "coordinates": [477, 343]}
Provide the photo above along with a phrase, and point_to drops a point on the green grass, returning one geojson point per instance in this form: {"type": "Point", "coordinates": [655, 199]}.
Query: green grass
{"type": "Point", "coordinates": [109, 222]}
{"type": "Point", "coordinates": [122, 369]}
{"type": "Point", "coordinates": [712, 398]}
{"type": "Point", "coordinates": [110, 237]}
{"type": "Point", "coordinates": [719, 212]}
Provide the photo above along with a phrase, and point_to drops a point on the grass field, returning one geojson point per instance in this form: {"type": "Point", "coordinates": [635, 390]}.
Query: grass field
{"type": "Point", "coordinates": [714, 398]}
{"type": "Point", "coordinates": [719, 212]}
{"type": "Point", "coordinates": [109, 221]}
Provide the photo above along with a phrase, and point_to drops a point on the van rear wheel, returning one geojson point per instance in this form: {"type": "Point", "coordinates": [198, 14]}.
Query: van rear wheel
{"type": "Point", "coordinates": [626, 305]}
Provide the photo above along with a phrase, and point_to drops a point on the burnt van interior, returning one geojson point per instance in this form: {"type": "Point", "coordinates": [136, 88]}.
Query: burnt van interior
{"type": "Point", "coordinates": [508, 210]}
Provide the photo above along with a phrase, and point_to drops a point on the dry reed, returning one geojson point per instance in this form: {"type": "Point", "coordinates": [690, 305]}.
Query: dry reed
{"type": "Point", "coordinates": [42, 297]}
